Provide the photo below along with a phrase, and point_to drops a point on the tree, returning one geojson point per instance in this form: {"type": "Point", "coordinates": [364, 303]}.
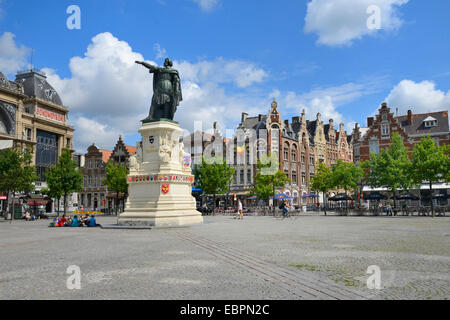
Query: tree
{"type": "Point", "coordinates": [430, 164]}
{"type": "Point", "coordinates": [116, 180]}
{"type": "Point", "coordinates": [390, 168]}
{"type": "Point", "coordinates": [214, 177]}
{"type": "Point", "coordinates": [64, 178]}
{"type": "Point", "coordinates": [52, 193]}
{"type": "Point", "coordinates": [268, 178]}
{"type": "Point", "coordinates": [345, 175]}
{"type": "Point", "coordinates": [16, 173]}
{"type": "Point", "coordinates": [322, 181]}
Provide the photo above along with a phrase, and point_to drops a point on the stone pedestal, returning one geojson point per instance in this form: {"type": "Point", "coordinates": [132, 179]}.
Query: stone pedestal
{"type": "Point", "coordinates": [160, 180]}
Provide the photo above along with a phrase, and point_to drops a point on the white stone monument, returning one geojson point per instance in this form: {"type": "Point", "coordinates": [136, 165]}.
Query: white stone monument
{"type": "Point", "coordinates": [160, 180]}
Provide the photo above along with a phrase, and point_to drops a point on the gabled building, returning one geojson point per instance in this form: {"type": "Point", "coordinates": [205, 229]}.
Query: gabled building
{"type": "Point", "coordinates": [411, 127]}
{"type": "Point", "coordinates": [299, 145]}
{"type": "Point", "coordinates": [121, 153]}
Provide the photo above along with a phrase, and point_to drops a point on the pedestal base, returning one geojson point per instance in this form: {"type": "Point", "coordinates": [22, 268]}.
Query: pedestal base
{"type": "Point", "coordinates": [160, 181]}
{"type": "Point", "coordinates": [174, 219]}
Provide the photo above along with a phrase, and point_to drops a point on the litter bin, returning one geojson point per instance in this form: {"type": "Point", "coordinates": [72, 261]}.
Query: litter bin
{"type": "Point", "coordinates": [304, 209]}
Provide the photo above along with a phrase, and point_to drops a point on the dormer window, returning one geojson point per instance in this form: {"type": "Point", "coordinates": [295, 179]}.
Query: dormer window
{"type": "Point", "coordinates": [430, 122]}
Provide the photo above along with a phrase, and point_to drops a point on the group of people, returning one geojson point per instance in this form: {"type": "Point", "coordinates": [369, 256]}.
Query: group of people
{"type": "Point", "coordinates": [75, 222]}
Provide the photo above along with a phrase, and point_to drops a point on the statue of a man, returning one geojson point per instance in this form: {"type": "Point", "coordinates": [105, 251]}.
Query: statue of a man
{"type": "Point", "coordinates": [166, 91]}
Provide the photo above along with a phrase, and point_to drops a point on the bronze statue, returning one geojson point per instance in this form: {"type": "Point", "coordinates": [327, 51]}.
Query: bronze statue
{"type": "Point", "coordinates": [166, 91]}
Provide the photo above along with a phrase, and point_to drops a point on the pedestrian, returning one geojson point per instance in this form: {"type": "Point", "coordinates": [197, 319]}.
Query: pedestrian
{"type": "Point", "coordinates": [240, 210]}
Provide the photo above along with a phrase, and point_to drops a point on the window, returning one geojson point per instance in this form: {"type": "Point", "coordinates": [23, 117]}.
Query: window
{"type": "Point", "coordinates": [249, 176]}
{"type": "Point", "coordinates": [28, 133]}
{"type": "Point", "coordinates": [294, 155]}
{"type": "Point", "coordinates": [303, 178]}
{"type": "Point", "coordinates": [286, 154]}
{"type": "Point", "coordinates": [374, 146]}
{"type": "Point", "coordinates": [68, 143]}
{"type": "Point", "coordinates": [303, 157]}
{"type": "Point", "coordinates": [385, 129]}
{"type": "Point", "coordinates": [430, 124]}
{"type": "Point", "coordinates": [294, 178]}
{"type": "Point", "coordinates": [242, 177]}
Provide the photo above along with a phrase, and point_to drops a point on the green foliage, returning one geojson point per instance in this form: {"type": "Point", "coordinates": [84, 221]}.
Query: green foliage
{"type": "Point", "coordinates": [64, 178]}
{"type": "Point", "coordinates": [345, 175]}
{"type": "Point", "coordinates": [116, 179]}
{"type": "Point", "coordinates": [323, 179]}
{"type": "Point", "coordinates": [431, 163]}
{"type": "Point", "coordinates": [391, 168]}
{"type": "Point", "coordinates": [268, 178]}
{"type": "Point", "coordinates": [16, 172]}
{"type": "Point", "coordinates": [214, 178]}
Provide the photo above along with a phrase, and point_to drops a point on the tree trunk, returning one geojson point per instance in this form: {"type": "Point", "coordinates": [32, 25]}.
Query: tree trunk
{"type": "Point", "coordinates": [325, 203]}
{"type": "Point", "coordinates": [13, 207]}
{"type": "Point", "coordinates": [65, 203]}
{"type": "Point", "coordinates": [395, 201]}
{"type": "Point", "coordinates": [214, 204]}
{"type": "Point", "coordinates": [117, 202]}
{"type": "Point", "coordinates": [431, 199]}
{"type": "Point", "coordinates": [273, 200]}
{"type": "Point", "coordinates": [57, 210]}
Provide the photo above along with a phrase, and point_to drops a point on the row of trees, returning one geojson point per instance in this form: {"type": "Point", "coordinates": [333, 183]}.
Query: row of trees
{"type": "Point", "coordinates": [343, 176]}
{"type": "Point", "coordinates": [18, 175]}
{"type": "Point", "coordinates": [392, 169]}
{"type": "Point", "coordinates": [215, 178]}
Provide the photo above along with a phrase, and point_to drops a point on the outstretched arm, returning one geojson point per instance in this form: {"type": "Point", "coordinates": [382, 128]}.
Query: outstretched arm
{"type": "Point", "coordinates": [148, 66]}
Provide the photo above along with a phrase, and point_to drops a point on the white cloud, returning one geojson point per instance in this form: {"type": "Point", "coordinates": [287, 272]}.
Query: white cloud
{"type": "Point", "coordinates": [109, 94]}
{"type": "Point", "coordinates": [90, 131]}
{"type": "Point", "coordinates": [420, 97]}
{"type": "Point", "coordinates": [12, 56]}
{"type": "Point", "coordinates": [207, 5]}
{"type": "Point", "coordinates": [241, 73]}
{"type": "Point", "coordinates": [161, 53]}
{"type": "Point", "coordinates": [339, 22]}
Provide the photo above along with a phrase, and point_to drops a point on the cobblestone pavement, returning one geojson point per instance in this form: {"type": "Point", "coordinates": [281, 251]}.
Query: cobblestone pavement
{"type": "Point", "coordinates": [308, 257]}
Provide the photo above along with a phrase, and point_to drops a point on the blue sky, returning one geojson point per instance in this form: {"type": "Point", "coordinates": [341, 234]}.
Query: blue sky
{"type": "Point", "coordinates": [234, 56]}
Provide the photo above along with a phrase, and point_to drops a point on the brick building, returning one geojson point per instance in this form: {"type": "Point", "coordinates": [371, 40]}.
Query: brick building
{"type": "Point", "coordinates": [411, 127]}
{"type": "Point", "coordinates": [299, 145]}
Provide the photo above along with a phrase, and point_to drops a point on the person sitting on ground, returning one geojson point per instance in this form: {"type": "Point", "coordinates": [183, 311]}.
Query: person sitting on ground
{"type": "Point", "coordinates": [28, 216]}
{"type": "Point", "coordinates": [62, 221]}
{"type": "Point", "coordinates": [68, 222]}
{"type": "Point", "coordinates": [92, 222]}
{"type": "Point", "coordinates": [75, 223]}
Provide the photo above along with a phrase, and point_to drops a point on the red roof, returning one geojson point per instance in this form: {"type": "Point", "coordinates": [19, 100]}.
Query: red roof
{"type": "Point", "coordinates": [106, 154]}
{"type": "Point", "coordinates": [131, 150]}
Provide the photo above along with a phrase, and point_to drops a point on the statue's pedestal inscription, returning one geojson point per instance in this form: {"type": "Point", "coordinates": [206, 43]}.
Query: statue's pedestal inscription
{"type": "Point", "coordinates": [160, 180]}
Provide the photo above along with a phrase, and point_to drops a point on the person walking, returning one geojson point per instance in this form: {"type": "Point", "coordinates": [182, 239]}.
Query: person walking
{"type": "Point", "coordinates": [240, 210]}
